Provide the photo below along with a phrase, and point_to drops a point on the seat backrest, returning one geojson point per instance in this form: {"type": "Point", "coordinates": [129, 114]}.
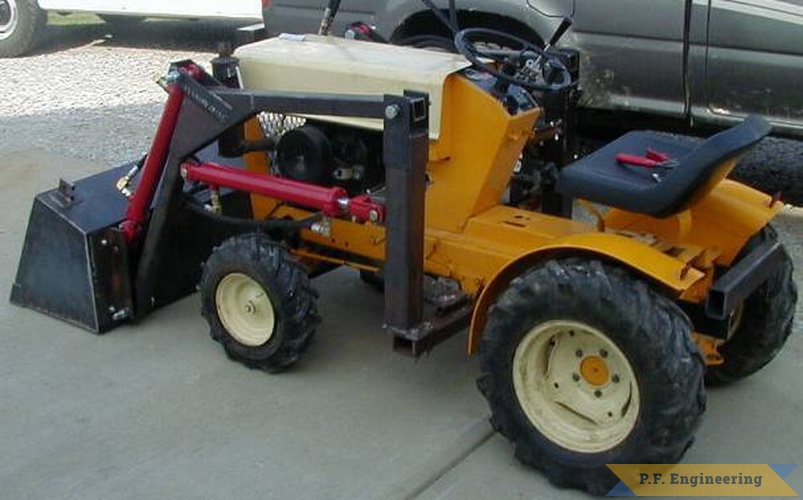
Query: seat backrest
{"type": "Point", "coordinates": [709, 163]}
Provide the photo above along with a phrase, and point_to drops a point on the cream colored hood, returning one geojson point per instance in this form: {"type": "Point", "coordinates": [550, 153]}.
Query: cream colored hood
{"type": "Point", "coordinates": [312, 63]}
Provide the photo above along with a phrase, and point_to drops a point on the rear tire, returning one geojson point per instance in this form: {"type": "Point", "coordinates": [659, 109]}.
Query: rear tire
{"type": "Point", "coordinates": [584, 365]}
{"type": "Point", "coordinates": [766, 322]}
{"type": "Point", "coordinates": [22, 24]}
{"type": "Point", "coordinates": [258, 302]}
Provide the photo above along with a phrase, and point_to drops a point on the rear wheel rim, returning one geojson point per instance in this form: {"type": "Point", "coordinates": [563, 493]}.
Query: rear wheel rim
{"type": "Point", "coordinates": [9, 17]}
{"type": "Point", "coordinates": [245, 310]}
{"type": "Point", "coordinates": [576, 386]}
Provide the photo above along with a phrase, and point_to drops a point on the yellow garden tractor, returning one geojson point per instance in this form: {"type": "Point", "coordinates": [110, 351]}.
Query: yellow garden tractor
{"type": "Point", "coordinates": [445, 180]}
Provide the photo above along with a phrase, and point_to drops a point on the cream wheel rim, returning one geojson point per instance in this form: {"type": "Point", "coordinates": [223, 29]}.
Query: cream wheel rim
{"type": "Point", "coordinates": [576, 386]}
{"type": "Point", "coordinates": [245, 310]}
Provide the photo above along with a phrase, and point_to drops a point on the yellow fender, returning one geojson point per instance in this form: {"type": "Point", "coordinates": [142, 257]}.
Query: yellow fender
{"type": "Point", "coordinates": [723, 220]}
{"type": "Point", "coordinates": [670, 273]}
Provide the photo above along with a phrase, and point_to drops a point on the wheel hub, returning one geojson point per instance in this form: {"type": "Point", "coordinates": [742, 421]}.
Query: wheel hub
{"type": "Point", "coordinates": [245, 309]}
{"type": "Point", "coordinates": [576, 386]}
{"type": "Point", "coordinates": [594, 370]}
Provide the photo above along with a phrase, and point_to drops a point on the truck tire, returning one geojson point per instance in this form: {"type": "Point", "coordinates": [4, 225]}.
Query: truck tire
{"type": "Point", "coordinates": [774, 165]}
{"type": "Point", "coordinates": [761, 325]}
{"type": "Point", "coordinates": [22, 23]}
{"type": "Point", "coordinates": [585, 365]}
{"type": "Point", "coordinates": [258, 302]}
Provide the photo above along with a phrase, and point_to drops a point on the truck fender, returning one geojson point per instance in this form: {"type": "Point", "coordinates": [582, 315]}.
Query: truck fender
{"type": "Point", "coordinates": [665, 271]}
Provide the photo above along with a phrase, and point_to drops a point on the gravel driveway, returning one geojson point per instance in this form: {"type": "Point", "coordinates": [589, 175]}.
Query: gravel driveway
{"type": "Point", "coordinates": [92, 97]}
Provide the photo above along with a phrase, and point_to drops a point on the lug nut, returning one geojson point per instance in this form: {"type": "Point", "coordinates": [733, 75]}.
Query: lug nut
{"type": "Point", "coordinates": [598, 393]}
{"type": "Point", "coordinates": [578, 353]}
{"type": "Point", "coordinates": [603, 353]}
{"type": "Point", "coordinates": [615, 379]}
{"type": "Point", "coordinates": [575, 377]}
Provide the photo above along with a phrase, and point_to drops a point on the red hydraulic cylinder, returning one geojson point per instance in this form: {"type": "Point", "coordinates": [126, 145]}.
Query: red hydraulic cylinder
{"type": "Point", "coordinates": [139, 204]}
{"type": "Point", "coordinates": [332, 201]}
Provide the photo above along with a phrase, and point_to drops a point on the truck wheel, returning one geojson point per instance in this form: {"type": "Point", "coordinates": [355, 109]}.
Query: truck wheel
{"type": "Point", "coordinates": [21, 24]}
{"type": "Point", "coordinates": [761, 325]}
{"type": "Point", "coordinates": [259, 302]}
{"type": "Point", "coordinates": [585, 365]}
{"type": "Point", "coordinates": [774, 165]}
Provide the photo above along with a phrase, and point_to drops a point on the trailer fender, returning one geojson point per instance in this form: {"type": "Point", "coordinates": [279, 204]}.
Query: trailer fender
{"type": "Point", "coordinates": [667, 272]}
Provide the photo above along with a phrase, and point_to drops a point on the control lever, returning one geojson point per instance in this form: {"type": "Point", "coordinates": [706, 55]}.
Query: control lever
{"type": "Point", "coordinates": [564, 25]}
{"type": "Point", "coordinates": [328, 15]}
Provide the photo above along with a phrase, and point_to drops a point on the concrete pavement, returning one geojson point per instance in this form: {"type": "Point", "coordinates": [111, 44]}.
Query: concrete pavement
{"type": "Point", "coordinates": [156, 410]}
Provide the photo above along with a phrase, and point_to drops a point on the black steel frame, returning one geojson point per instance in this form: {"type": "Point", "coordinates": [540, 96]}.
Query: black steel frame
{"type": "Point", "coordinates": [209, 110]}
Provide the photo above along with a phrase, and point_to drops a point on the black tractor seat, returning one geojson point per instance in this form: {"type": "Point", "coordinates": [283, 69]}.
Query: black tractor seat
{"type": "Point", "coordinates": [690, 172]}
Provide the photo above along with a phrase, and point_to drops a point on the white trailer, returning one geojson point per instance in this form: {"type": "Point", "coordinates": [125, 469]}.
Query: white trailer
{"type": "Point", "coordinates": [23, 21]}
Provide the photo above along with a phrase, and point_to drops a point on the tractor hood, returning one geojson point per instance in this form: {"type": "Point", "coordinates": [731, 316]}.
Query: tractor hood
{"type": "Point", "coordinates": [312, 63]}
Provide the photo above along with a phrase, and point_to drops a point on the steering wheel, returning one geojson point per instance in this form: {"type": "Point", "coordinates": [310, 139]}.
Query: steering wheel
{"type": "Point", "coordinates": [525, 64]}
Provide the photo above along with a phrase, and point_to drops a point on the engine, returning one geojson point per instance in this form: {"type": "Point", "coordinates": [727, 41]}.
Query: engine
{"type": "Point", "coordinates": [332, 155]}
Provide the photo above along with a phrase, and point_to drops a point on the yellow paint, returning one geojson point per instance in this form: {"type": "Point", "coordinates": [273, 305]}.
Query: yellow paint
{"type": "Point", "coordinates": [723, 220]}
{"type": "Point", "coordinates": [709, 348]}
{"type": "Point", "coordinates": [594, 370]}
{"type": "Point", "coordinates": [478, 148]}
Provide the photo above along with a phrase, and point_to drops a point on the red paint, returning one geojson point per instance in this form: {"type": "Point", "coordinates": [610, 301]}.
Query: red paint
{"type": "Point", "coordinates": [657, 155]}
{"type": "Point", "coordinates": [139, 204]}
{"type": "Point", "coordinates": [307, 195]}
{"type": "Point", "coordinates": [638, 161]}
{"type": "Point", "coordinates": [361, 207]}
{"type": "Point", "coordinates": [325, 199]}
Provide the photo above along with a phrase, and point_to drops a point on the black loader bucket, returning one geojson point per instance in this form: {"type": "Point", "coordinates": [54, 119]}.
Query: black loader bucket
{"type": "Point", "coordinates": [74, 264]}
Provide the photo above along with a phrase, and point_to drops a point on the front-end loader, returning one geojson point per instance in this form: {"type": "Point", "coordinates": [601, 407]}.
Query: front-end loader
{"type": "Point", "coordinates": [444, 179]}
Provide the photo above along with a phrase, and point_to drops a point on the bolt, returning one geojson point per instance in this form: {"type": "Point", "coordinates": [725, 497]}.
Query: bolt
{"type": "Point", "coordinates": [615, 379]}
{"type": "Point", "coordinates": [120, 315]}
{"type": "Point", "coordinates": [578, 353]}
{"type": "Point", "coordinates": [392, 111]}
{"type": "Point", "coordinates": [575, 377]}
{"type": "Point", "coordinates": [249, 307]}
{"type": "Point", "coordinates": [373, 216]}
{"type": "Point", "coordinates": [603, 353]}
{"type": "Point", "coordinates": [598, 393]}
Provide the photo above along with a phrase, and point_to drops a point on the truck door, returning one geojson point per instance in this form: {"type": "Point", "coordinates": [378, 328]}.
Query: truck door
{"type": "Point", "coordinates": [304, 16]}
{"type": "Point", "coordinates": [754, 62]}
{"type": "Point", "coordinates": [632, 54]}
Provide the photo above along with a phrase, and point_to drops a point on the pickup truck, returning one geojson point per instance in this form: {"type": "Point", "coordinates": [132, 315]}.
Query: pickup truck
{"type": "Point", "coordinates": [22, 22]}
{"type": "Point", "coordinates": [681, 64]}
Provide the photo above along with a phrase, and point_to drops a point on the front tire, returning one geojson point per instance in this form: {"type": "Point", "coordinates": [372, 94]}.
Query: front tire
{"type": "Point", "coordinates": [584, 365]}
{"type": "Point", "coordinates": [762, 323]}
{"type": "Point", "coordinates": [258, 302]}
{"type": "Point", "coordinates": [22, 23]}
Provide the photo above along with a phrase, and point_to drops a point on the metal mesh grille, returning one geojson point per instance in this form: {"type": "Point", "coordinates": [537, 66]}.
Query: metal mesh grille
{"type": "Point", "coordinates": [274, 125]}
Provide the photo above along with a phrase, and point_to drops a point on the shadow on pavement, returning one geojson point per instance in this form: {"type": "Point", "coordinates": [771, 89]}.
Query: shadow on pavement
{"type": "Point", "coordinates": [189, 35]}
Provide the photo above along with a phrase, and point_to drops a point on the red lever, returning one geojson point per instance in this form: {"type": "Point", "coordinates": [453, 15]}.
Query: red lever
{"type": "Point", "coordinates": [638, 161]}
{"type": "Point", "coordinates": [657, 155]}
